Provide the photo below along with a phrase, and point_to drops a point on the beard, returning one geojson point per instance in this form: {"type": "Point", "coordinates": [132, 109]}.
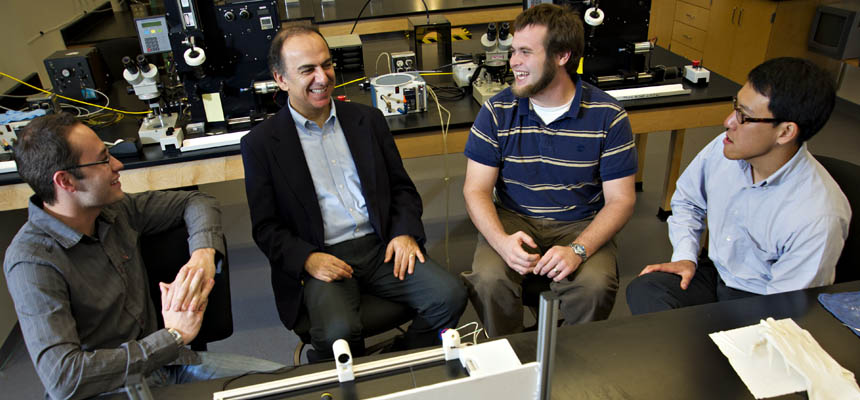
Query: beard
{"type": "Point", "coordinates": [546, 77]}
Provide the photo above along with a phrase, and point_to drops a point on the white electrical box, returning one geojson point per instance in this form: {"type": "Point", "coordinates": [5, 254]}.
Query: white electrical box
{"type": "Point", "coordinates": [403, 61]}
{"type": "Point", "coordinates": [399, 94]}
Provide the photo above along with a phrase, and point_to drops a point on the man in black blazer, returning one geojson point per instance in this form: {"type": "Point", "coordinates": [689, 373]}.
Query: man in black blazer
{"type": "Point", "coordinates": [334, 210]}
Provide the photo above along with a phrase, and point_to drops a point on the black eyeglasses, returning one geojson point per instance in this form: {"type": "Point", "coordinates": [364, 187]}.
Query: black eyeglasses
{"type": "Point", "coordinates": [743, 118]}
{"type": "Point", "coordinates": [105, 161]}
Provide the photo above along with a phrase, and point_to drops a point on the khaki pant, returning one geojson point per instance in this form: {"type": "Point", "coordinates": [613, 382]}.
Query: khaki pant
{"type": "Point", "coordinates": [496, 290]}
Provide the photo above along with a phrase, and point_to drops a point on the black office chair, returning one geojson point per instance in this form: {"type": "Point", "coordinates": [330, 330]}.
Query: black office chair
{"type": "Point", "coordinates": [164, 254]}
{"type": "Point", "coordinates": [533, 286]}
{"type": "Point", "coordinates": [847, 175]}
{"type": "Point", "coordinates": [377, 316]}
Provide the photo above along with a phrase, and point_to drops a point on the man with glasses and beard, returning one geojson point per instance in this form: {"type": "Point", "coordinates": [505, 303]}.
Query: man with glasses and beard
{"type": "Point", "coordinates": [777, 219]}
{"type": "Point", "coordinates": [558, 154]}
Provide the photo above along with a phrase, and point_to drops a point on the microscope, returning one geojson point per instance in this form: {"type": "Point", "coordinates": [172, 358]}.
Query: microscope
{"type": "Point", "coordinates": [158, 126]}
{"type": "Point", "coordinates": [489, 77]}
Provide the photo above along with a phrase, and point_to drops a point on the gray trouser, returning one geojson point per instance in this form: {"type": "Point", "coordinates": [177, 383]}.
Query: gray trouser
{"type": "Point", "coordinates": [496, 290]}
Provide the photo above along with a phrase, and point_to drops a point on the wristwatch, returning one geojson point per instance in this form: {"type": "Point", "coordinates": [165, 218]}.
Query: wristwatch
{"type": "Point", "coordinates": [579, 250]}
{"type": "Point", "coordinates": [177, 337]}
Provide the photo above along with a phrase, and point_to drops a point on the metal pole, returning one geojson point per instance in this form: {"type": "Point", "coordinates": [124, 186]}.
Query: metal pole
{"type": "Point", "coordinates": [547, 326]}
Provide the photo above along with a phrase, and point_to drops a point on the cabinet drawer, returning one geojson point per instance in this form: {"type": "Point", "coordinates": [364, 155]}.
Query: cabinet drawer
{"type": "Point", "coordinates": [689, 36]}
{"type": "Point", "coordinates": [700, 3]}
{"type": "Point", "coordinates": [692, 15]}
{"type": "Point", "coordinates": [685, 51]}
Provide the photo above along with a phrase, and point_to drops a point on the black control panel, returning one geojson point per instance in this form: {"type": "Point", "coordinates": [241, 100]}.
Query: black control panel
{"type": "Point", "coordinates": [235, 36]}
{"type": "Point", "coordinates": [75, 72]}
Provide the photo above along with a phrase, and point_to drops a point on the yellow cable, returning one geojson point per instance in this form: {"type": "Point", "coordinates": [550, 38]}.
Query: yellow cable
{"type": "Point", "coordinates": [352, 81]}
{"type": "Point", "coordinates": [436, 73]}
{"type": "Point", "coordinates": [71, 99]}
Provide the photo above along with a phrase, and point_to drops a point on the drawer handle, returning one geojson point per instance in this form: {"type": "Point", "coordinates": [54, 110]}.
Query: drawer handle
{"type": "Point", "coordinates": [688, 37]}
{"type": "Point", "coordinates": [690, 16]}
{"type": "Point", "coordinates": [740, 14]}
{"type": "Point", "coordinates": [734, 10]}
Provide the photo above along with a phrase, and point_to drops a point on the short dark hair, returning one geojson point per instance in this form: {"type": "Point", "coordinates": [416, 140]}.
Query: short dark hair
{"type": "Point", "coordinates": [564, 32]}
{"type": "Point", "coordinates": [43, 149]}
{"type": "Point", "coordinates": [798, 91]}
{"type": "Point", "coordinates": [276, 61]}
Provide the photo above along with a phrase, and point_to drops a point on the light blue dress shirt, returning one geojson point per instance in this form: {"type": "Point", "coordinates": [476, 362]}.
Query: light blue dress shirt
{"type": "Point", "coordinates": [335, 178]}
{"type": "Point", "coordinates": [783, 233]}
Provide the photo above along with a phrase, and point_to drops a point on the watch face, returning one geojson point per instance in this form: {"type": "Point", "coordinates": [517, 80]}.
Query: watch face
{"type": "Point", "coordinates": [579, 250]}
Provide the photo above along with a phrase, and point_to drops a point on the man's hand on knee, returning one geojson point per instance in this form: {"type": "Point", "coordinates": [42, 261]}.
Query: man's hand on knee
{"type": "Point", "coordinates": [327, 267]}
{"type": "Point", "coordinates": [510, 248]}
{"type": "Point", "coordinates": [403, 250]}
{"type": "Point", "coordinates": [558, 263]}
{"type": "Point", "coordinates": [683, 268]}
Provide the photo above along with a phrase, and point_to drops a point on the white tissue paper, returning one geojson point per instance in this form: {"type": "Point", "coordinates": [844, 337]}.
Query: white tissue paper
{"type": "Point", "coordinates": [775, 358]}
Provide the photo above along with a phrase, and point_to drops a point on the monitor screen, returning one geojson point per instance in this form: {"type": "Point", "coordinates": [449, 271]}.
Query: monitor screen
{"type": "Point", "coordinates": [829, 29]}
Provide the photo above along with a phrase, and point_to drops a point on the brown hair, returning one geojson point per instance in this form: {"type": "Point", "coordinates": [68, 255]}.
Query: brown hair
{"type": "Point", "coordinates": [564, 32]}
{"type": "Point", "coordinates": [43, 149]}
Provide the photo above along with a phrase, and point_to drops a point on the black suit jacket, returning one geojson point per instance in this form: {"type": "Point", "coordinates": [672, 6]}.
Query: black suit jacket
{"type": "Point", "coordinates": [286, 219]}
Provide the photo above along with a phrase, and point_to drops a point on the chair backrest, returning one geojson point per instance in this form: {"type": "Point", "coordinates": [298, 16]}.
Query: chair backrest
{"type": "Point", "coordinates": [847, 175]}
{"type": "Point", "coordinates": [164, 254]}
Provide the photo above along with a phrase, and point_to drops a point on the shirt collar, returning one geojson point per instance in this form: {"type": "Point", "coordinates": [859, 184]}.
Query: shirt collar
{"type": "Point", "coordinates": [785, 172]}
{"type": "Point", "coordinates": [62, 233]}
{"type": "Point", "coordinates": [306, 123]}
{"type": "Point", "coordinates": [59, 231]}
{"type": "Point", "coordinates": [524, 106]}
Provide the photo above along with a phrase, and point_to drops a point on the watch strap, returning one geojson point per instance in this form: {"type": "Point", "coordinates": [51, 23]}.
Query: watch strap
{"type": "Point", "coordinates": [177, 337]}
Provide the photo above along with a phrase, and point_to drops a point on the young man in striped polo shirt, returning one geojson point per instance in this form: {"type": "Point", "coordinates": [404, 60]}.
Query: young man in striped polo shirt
{"type": "Point", "coordinates": [559, 155]}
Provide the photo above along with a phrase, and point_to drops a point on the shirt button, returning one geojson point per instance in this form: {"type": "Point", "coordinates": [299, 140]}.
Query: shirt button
{"type": "Point", "coordinates": [340, 186]}
{"type": "Point", "coordinates": [333, 162]}
{"type": "Point", "coordinates": [728, 238]}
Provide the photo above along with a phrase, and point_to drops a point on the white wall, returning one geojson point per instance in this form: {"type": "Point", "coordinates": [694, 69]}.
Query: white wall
{"type": "Point", "coordinates": [849, 85]}
{"type": "Point", "coordinates": [23, 48]}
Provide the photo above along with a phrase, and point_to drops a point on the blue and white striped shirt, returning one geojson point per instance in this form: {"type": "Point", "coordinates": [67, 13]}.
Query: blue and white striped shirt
{"type": "Point", "coordinates": [554, 171]}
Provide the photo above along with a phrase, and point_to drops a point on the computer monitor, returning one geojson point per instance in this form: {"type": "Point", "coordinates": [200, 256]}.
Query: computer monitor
{"type": "Point", "coordinates": [835, 31]}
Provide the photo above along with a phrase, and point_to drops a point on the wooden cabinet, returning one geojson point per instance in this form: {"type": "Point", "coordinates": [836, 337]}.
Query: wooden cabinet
{"type": "Point", "coordinates": [739, 33]}
{"type": "Point", "coordinates": [731, 37]}
{"type": "Point", "coordinates": [693, 15]}
{"type": "Point", "coordinates": [661, 21]}
{"type": "Point", "coordinates": [690, 28]}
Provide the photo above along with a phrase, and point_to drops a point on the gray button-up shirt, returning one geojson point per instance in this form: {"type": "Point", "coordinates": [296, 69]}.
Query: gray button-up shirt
{"type": "Point", "coordinates": [83, 302]}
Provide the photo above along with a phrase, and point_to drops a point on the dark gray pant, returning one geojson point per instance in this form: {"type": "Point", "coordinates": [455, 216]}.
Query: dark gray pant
{"type": "Point", "coordinates": [438, 297]}
{"type": "Point", "coordinates": [659, 291]}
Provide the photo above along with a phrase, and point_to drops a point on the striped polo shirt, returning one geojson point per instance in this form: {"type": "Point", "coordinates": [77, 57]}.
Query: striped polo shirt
{"type": "Point", "coordinates": [554, 171]}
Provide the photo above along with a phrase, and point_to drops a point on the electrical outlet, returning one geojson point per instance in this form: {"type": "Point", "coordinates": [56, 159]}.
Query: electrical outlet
{"type": "Point", "coordinates": [403, 61]}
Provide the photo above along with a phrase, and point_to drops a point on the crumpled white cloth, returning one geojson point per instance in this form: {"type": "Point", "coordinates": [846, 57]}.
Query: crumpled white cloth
{"type": "Point", "coordinates": [774, 358]}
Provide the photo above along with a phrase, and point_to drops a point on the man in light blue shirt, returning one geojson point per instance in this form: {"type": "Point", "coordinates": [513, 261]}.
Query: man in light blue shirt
{"type": "Point", "coordinates": [335, 177]}
{"type": "Point", "coordinates": [776, 218]}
